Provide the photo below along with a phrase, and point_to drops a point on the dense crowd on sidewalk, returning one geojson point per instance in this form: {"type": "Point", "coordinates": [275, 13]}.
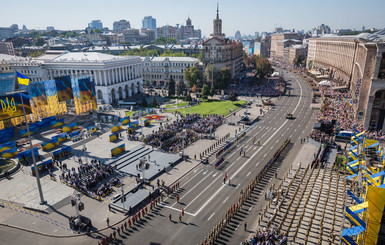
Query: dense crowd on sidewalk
{"type": "Point", "coordinates": [268, 87]}
{"type": "Point", "coordinates": [176, 135]}
{"type": "Point", "coordinates": [265, 236]}
{"type": "Point", "coordinates": [88, 176]}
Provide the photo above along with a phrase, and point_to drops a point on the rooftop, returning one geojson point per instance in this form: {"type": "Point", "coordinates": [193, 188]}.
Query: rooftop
{"type": "Point", "coordinates": [89, 56]}
{"type": "Point", "coordinates": [171, 59]}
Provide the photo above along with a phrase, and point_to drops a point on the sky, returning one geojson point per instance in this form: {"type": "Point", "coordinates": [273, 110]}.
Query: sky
{"type": "Point", "coordinates": [247, 16]}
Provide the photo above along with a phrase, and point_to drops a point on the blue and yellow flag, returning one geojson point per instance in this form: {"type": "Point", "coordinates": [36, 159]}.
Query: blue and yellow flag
{"type": "Point", "coordinates": [24, 80]}
{"type": "Point", "coordinates": [64, 88]}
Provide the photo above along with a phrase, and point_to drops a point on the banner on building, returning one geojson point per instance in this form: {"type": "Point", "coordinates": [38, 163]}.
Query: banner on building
{"type": "Point", "coordinates": [57, 123]}
{"type": "Point", "coordinates": [85, 89]}
{"type": "Point", "coordinates": [94, 100]}
{"type": "Point", "coordinates": [70, 127]}
{"type": "Point", "coordinates": [64, 88]}
{"type": "Point", "coordinates": [11, 106]}
{"type": "Point", "coordinates": [50, 144]}
{"type": "Point", "coordinates": [36, 91]}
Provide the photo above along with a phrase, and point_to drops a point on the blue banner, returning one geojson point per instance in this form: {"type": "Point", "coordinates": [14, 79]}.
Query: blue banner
{"type": "Point", "coordinates": [11, 106]}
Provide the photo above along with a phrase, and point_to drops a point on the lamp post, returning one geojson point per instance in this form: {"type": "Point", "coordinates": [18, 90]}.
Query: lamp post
{"type": "Point", "coordinates": [42, 201]}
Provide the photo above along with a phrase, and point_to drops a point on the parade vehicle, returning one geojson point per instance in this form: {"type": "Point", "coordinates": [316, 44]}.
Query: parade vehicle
{"type": "Point", "coordinates": [289, 116]}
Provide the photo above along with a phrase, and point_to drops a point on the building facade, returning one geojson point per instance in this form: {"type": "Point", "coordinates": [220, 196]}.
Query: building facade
{"type": "Point", "coordinates": [158, 70]}
{"type": "Point", "coordinates": [149, 23]}
{"type": "Point", "coordinates": [115, 77]}
{"type": "Point", "coordinates": [278, 37]}
{"type": "Point", "coordinates": [119, 26]}
{"type": "Point", "coordinates": [167, 32]}
{"type": "Point", "coordinates": [221, 51]}
{"type": "Point", "coordinates": [95, 25]}
{"type": "Point", "coordinates": [358, 63]}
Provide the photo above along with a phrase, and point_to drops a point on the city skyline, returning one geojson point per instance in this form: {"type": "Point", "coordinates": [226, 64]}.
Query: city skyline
{"type": "Point", "coordinates": [289, 15]}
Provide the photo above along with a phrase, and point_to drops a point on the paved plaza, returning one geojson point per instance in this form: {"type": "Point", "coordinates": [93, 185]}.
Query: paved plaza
{"type": "Point", "coordinates": [19, 194]}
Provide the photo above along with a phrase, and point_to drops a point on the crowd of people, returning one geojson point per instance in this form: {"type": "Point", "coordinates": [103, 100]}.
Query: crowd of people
{"type": "Point", "coordinates": [176, 135]}
{"type": "Point", "coordinates": [87, 177]}
{"type": "Point", "coordinates": [273, 86]}
{"type": "Point", "coordinates": [273, 236]}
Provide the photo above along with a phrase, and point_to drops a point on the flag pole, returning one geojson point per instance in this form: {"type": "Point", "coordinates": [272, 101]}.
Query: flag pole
{"type": "Point", "coordinates": [42, 201]}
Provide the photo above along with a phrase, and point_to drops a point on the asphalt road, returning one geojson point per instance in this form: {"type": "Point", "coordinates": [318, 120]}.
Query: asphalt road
{"type": "Point", "coordinates": [203, 195]}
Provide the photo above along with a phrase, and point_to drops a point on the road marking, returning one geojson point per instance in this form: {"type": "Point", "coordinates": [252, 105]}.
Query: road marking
{"type": "Point", "coordinates": [257, 164]}
{"type": "Point", "coordinates": [282, 134]}
{"type": "Point", "coordinates": [295, 130]}
{"type": "Point", "coordinates": [250, 208]}
{"type": "Point", "coordinates": [248, 174]}
{"type": "Point", "coordinates": [193, 200]}
{"type": "Point", "coordinates": [261, 193]}
{"type": "Point", "coordinates": [277, 141]}
{"type": "Point", "coordinates": [271, 147]}
{"type": "Point", "coordinates": [192, 178]}
{"type": "Point", "coordinates": [175, 209]}
{"type": "Point", "coordinates": [225, 200]}
{"type": "Point", "coordinates": [274, 129]}
{"type": "Point", "coordinates": [215, 174]}
{"type": "Point", "coordinates": [265, 155]}
{"type": "Point", "coordinates": [205, 172]}
{"type": "Point", "coordinates": [211, 216]}
{"type": "Point", "coordinates": [287, 129]}
{"type": "Point", "coordinates": [290, 136]}
{"type": "Point", "coordinates": [244, 164]}
{"type": "Point", "coordinates": [192, 188]}
{"type": "Point", "coordinates": [195, 170]}
{"type": "Point", "coordinates": [237, 186]}
{"type": "Point", "coordinates": [237, 227]}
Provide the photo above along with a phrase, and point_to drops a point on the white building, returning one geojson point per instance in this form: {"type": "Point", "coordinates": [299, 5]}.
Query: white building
{"type": "Point", "coordinates": [115, 77]}
{"type": "Point", "coordinates": [159, 70]}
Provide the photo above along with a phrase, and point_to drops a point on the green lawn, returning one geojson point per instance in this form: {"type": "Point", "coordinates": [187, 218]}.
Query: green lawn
{"type": "Point", "coordinates": [213, 107]}
{"type": "Point", "coordinates": [181, 104]}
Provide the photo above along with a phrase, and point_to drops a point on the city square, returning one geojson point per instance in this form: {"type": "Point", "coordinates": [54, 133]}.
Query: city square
{"type": "Point", "coordinates": [182, 134]}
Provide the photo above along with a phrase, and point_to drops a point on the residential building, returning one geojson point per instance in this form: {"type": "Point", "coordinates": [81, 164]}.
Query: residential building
{"type": "Point", "coordinates": [276, 38]}
{"type": "Point", "coordinates": [167, 32]}
{"type": "Point", "coordinates": [158, 70]}
{"type": "Point", "coordinates": [149, 23]}
{"type": "Point", "coordinates": [7, 76]}
{"type": "Point", "coordinates": [150, 35]}
{"type": "Point", "coordinates": [94, 39]}
{"type": "Point", "coordinates": [221, 51]}
{"type": "Point", "coordinates": [95, 25]}
{"type": "Point", "coordinates": [119, 26]}
{"type": "Point", "coordinates": [131, 36]}
{"type": "Point", "coordinates": [357, 63]}
{"type": "Point", "coordinates": [265, 45]}
{"type": "Point", "coordinates": [320, 30]}
{"type": "Point", "coordinates": [282, 45]}
{"type": "Point", "coordinates": [7, 48]}
{"type": "Point", "coordinates": [294, 51]}
{"type": "Point", "coordinates": [7, 32]}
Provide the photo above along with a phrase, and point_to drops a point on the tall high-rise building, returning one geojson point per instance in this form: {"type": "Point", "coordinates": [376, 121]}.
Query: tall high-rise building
{"type": "Point", "coordinates": [119, 26]}
{"type": "Point", "coordinates": [149, 23]}
{"type": "Point", "coordinates": [95, 25]}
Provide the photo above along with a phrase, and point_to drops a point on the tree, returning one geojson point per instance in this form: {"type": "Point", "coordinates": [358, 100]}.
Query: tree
{"type": "Point", "coordinates": [233, 96]}
{"type": "Point", "coordinates": [192, 75]}
{"type": "Point", "coordinates": [36, 54]}
{"type": "Point", "coordinates": [180, 88]}
{"type": "Point", "coordinates": [263, 67]}
{"type": "Point", "coordinates": [171, 87]}
{"type": "Point", "coordinates": [212, 91]}
{"type": "Point", "coordinates": [144, 102]}
{"type": "Point", "coordinates": [188, 97]}
{"type": "Point", "coordinates": [212, 74]}
{"type": "Point", "coordinates": [205, 91]}
{"type": "Point", "coordinates": [154, 103]}
{"type": "Point", "coordinates": [40, 41]}
{"type": "Point", "coordinates": [225, 78]}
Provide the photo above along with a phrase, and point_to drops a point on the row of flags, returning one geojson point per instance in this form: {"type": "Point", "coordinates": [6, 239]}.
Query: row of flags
{"type": "Point", "coordinates": [12, 105]}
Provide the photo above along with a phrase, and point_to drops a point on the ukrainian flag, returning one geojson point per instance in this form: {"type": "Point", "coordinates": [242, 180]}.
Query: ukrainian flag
{"type": "Point", "coordinates": [22, 79]}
